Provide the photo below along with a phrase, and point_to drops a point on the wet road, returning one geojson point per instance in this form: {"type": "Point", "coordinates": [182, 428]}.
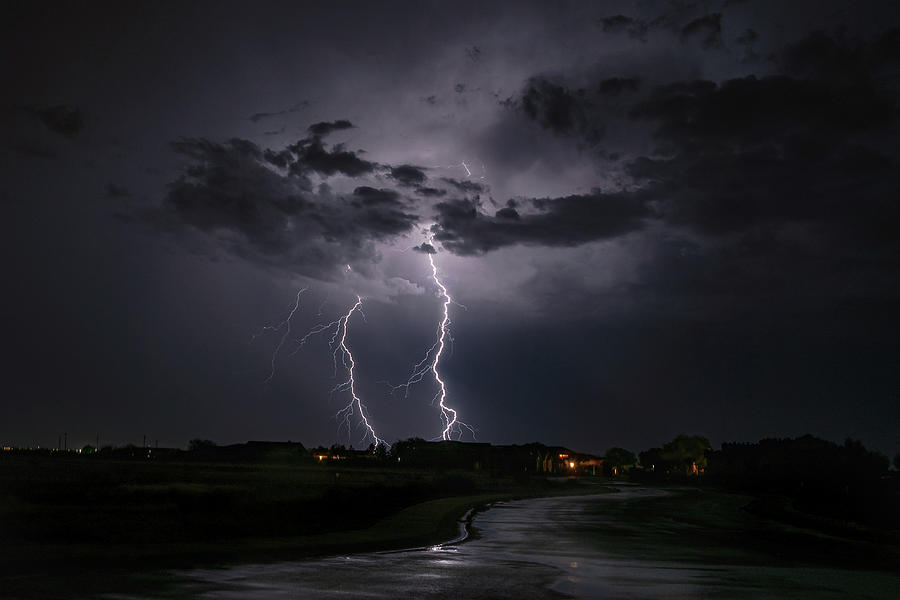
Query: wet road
{"type": "Point", "coordinates": [622, 545]}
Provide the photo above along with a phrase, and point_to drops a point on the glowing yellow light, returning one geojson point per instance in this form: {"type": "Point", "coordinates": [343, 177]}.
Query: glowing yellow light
{"type": "Point", "coordinates": [571, 464]}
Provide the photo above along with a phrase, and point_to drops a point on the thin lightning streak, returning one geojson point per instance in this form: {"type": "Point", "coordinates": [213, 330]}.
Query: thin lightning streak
{"type": "Point", "coordinates": [448, 414]}
{"type": "Point", "coordinates": [287, 324]}
{"type": "Point", "coordinates": [431, 361]}
{"type": "Point", "coordinates": [346, 413]}
{"type": "Point", "coordinates": [465, 167]}
{"type": "Point", "coordinates": [338, 346]}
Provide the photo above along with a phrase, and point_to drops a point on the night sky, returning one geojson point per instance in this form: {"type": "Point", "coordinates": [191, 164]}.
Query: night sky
{"type": "Point", "coordinates": [660, 217]}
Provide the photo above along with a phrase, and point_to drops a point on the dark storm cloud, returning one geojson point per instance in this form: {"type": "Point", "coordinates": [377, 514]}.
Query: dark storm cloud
{"type": "Point", "coordinates": [769, 192]}
{"type": "Point", "coordinates": [567, 221]}
{"type": "Point", "coordinates": [430, 192]}
{"type": "Point", "coordinates": [619, 85]}
{"type": "Point", "coordinates": [230, 192]}
{"type": "Point", "coordinates": [635, 28]}
{"type": "Point", "coordinates": [616, 23]}
{"type": "Point", "coordinates": [748, 40]}
{"type": "Point", "coordinates": [325, 127]}
{"type": "Point", "coordinates": [409, 175]}
{"type": "Point", "coordinates": [65, 120]}
{"type": "Point", "coordinates": [800, 146]}
{"type": "Point", "coordinates": [311, 154]}
{"type": "Point", "coordinates": [507, 213]}
{"type": "Point", "coordinates": [774, 149]}
{"type": "Point", "coordinates": [465, 186]}
{"type": "Point", "coordinates": [708, 29]}
{"type": "Point", "coordinates": [559, 109]}
{"type": "Point", "coordinates": [369, 196]}
{"type": "Point", "coordinates": [425, 248]}
{"type": "Point", "coordinates": [823, 57]}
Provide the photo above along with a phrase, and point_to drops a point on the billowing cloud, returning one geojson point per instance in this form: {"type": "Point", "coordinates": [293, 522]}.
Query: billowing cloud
{"type": "Point", "coordinates": [325, 127]}
{"type": "Point", "coordinates": [708, 29]}
{"type": "Point", "coordinates": [231, 192]}
{"type": "Point", "coordinates": [409, 175]}
{"type": "Point", "coordinates": [568, 221]}
{"type": "Point", "coordinates": [311, 154]}
{"type": "Point", "coordinates": [559, 109]}
{"type": "Point", "coordinates": [465, 186]}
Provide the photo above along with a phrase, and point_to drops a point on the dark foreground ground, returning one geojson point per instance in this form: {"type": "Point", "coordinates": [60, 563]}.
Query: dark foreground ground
{"type": "Point", "coordinates": [639, 543]}
{"type": "Point", "coordinates": [82, 525]}
{"type": "Point", "coordinates": [87, 529]}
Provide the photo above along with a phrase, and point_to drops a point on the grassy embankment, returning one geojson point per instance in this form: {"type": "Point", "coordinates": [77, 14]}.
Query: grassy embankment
{"type": "Point", "coordinates": [67, 513]}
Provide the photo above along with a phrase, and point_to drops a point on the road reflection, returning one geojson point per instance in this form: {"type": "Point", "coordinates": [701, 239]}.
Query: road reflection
{"type": "Point", "coordinates": [575, 547]}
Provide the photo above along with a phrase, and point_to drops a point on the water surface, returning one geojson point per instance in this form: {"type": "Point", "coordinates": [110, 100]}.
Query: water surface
{"type": "Point", "coordinates": [639, 543]}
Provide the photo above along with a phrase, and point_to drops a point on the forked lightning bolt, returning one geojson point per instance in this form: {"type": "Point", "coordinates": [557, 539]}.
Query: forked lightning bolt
{"type": "Point", "coordinates": [346, 413]}
{"type": "Point", "coordinates": [431, 361]}
{"type": "Point", "coordinates": [287, 325]}
{"type": "Point", "coordinates": [338, 346]}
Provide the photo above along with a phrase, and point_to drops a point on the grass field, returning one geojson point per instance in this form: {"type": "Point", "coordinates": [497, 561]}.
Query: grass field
{"type": "Point", "coordinates": [88, 518]}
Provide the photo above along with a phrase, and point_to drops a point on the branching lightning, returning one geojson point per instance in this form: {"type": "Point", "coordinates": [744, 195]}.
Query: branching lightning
{"type": "Point", "coordinates": [345, 414]}
{"type": "Point", "coordinates": [449, 416]}
{"type": "Point", "coordinates": [339, 348]}
{"type": "Point", "coordinates": [287, 325]}
{"type": "Point", "coordinates": [452, 426]}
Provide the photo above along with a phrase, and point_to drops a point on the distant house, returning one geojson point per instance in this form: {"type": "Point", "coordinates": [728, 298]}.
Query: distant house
{"type": "Point", "coordinates": [528, 459]}
{"type": "Point", "coordinates": [562, 461]}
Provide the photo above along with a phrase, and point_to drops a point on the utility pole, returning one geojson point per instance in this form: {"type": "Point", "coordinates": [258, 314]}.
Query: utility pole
{"type": "Point", "coordinates": [97, 447]}
{"type": "Point", "coordinates": [66, 438]}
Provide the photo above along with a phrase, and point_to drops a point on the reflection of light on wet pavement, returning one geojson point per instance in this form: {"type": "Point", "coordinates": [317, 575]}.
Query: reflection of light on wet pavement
{"type": "Point", "coordinates": [531, 549]}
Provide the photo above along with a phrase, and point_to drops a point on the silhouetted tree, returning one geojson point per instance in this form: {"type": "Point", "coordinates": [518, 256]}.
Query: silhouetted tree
{"type": "Point", "coordinates": [381, 453]}
{"type": "Point", "coordinates": [687, 451]}
{"type": "Point", "coordinates": [840, 481]}
{"type": "Point", "coordinates": [198, 444]}
{"type": "Point", "coordinates": [618, 460]}
{"type": "Point", "coordinates": [404, 451]}
{"type": "Point", "coordinates": [652, 460]}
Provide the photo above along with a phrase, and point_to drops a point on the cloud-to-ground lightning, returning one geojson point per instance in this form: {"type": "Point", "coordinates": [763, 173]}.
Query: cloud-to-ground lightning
{"type": "Point", "coordinates": [346, 413]}
{"type": "Point", "coordinates": [338, 346]}
{"type": "Point", "coordinates": [449, 416]}
{"type": "Point", "coordinates": [287, 325]}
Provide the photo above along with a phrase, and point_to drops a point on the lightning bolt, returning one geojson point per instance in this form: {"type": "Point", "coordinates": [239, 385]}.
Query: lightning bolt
{"type": "Point", "coordinates": [431, 361]}
{"type": "Point", "coordinates": [346, 413]}
{"type": "Point", "coordinates": [338, 345]}
{"type": "Point", "coordinates": [275, 328]}
{"type": "Point", "coordinates": [448, 414]}
{"type": "Point", "coordinates": [465, 167]}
